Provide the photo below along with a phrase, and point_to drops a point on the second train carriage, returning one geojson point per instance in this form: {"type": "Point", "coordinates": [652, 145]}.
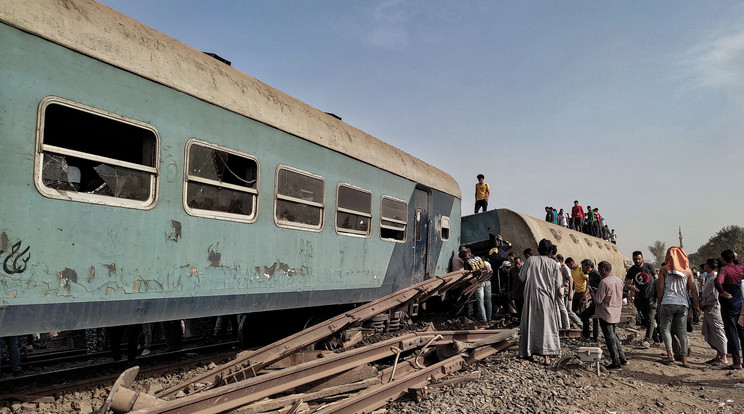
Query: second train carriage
{"type": "Point", "coordinates": [524, 231]}
{"type": "Point", "coordinates": [143, 180]}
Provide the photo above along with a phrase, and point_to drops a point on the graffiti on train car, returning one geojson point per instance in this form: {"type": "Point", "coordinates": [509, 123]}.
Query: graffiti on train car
{"type": "Point", "coordinates": [17, 258]}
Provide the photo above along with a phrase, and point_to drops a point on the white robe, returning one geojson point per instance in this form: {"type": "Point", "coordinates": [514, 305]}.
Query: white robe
{"type": "Point", "coordinates": [713, 329]}
{"type": "Point", "coordinates": [538, 330]}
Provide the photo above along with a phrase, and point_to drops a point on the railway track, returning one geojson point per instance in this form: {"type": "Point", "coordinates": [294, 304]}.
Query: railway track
{"type": "Point", "coordinates": [412, 360]}
{"type": "Point", "coordinates": [75, 371]}
{"type": "Point", "coordinates": [286, 374]}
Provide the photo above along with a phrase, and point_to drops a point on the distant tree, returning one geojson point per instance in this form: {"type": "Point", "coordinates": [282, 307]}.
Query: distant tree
{"type": "Point", "coordinates": [658, 250]}
{"type": "Point", "coordinates": [729, 237]}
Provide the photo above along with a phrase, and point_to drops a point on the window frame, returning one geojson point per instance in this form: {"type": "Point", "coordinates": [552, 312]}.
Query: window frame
{"type": "Point", "coordinates": [442, 227]}
{"type": "Point", "coordinates": [277, 197]}
{"type": "Point", "coordinates": [350, 232]}
{"type": "Point", "coordinates": [41, 149]}
{"type": "Point", "coordinates": [405, 223]}
{"type": "Point", "coordinates": [213, 214]}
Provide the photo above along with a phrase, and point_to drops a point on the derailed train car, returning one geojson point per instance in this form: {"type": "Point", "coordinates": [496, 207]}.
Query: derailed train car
{"type": "Point", "coordinates": [143, 180]}
{"type": "Point", "coordinates": [524, 231]}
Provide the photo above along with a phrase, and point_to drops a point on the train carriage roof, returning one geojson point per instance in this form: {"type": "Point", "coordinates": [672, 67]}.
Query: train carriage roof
{"type": "Point", "coordinates": [109, 36]}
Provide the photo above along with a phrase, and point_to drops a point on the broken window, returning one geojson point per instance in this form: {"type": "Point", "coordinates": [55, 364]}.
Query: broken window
{"type": "Point", "coordinates": [300, 199]}
{"type": "Point", "coordinates": [86, 154]}
{"type": "Point", "coordinates": [220, 183]}
{"type": "Point", "coordinates": [354, 210]}
{"type": "Point", "coordinates": [393, 219]}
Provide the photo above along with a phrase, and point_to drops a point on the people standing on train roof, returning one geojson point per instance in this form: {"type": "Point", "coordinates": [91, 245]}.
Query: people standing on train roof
{"type": "Point", "coordinates": [728, 285]}
{"type": "Point", "coordinates": [675, 281]}
{"type": "Point", "coordinates": [549, 214]}
{"type": "Point", "coordinates": [593, 279]}
{"type": "Point", "coordinates": [597, 224]}
{"type": "Point", "coordinates": [613, 237]}
{"type": "Point", "coordinates": [641, 287]}
{"type": "Point", "coordinates": [539, 327]}
{"type": "Point", "coordinates": [606, 232]}
{"type": "Point", "coordinates": [589, 221]}
{"type": "Point", "coordinates": [562, 219]}
{"type": "Point", "coordinates": [482, 193]}
{"type": "Point", "coordinates": [577, 216]}
{"type": "Point", "coordinates": [713, 329]}
{"type": "Point", "coordinates": [609, 299]}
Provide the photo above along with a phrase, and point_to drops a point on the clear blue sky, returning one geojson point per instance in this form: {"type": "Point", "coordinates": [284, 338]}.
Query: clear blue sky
{"type": "Point", "coordinates": [634, 107]}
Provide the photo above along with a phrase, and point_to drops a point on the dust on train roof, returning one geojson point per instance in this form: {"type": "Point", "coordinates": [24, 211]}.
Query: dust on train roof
{"type": "Point", "coordinates": [98, 31]}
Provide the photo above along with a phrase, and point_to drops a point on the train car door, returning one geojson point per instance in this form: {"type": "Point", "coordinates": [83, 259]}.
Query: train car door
{"type": "Point", "coordinates": [421, 234]}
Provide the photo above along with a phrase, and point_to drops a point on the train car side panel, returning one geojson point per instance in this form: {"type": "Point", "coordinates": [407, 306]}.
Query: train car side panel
{"type": "Point", "coordinates": [80, 263]}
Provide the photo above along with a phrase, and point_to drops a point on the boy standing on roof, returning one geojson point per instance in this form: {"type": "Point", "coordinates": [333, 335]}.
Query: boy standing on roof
{"type": "Point", "coordinates": [482, 193]}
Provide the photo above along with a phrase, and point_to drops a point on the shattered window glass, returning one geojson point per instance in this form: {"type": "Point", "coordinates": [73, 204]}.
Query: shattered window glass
{"type": "Point", "coordinates": [300, 199]}
{"type": "Point", "coordinates": [221, 181]}
{"type": "Point", "coordinates": [354, 210]}
{"type": "Point", "coordinates": [87, 153]}
{"type": "Point", "coordinates": [393, 219]}
{"type": "Point", "coordinates": [222, 166]}
{"type": "Point", "coordinates": [123, 182]}
{"type": "Point", "coordinates": [56, 173]}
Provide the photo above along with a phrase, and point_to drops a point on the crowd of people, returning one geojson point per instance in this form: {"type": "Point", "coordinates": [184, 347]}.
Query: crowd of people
{"type": "Point", "coordinates": [548, 293]}
{"type": "Point", "coordinates": [671, 301]}
{"type": "Point", "coordinates": [590, 222]}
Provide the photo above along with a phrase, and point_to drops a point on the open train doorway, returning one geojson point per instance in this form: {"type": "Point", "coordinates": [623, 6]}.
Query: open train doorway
{"type": "Point", "coordinates": [421, 199]}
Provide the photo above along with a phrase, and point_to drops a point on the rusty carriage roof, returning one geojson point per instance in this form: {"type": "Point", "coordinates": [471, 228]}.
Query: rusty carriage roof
{"type": "Point", "coordinates": [109, 36]}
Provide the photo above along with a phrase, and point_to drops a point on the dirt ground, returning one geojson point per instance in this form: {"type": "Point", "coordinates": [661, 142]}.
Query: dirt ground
{"type": "Point", "coordinates": [645, 385]}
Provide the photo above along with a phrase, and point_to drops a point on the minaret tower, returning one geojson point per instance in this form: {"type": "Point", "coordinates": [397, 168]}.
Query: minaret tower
{"type": "Point", "coordinates": [681, 245]}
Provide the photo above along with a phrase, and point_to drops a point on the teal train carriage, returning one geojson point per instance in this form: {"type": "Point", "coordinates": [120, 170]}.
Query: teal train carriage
{"type": "Point", "coordinates": [143, 180]}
